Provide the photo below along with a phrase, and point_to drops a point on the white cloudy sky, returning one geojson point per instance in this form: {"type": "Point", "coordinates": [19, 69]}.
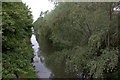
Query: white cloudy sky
{"type": "Point", "coordinates": [37, 6]}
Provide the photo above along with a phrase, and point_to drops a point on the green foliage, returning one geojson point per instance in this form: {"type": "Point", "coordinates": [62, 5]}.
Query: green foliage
{"type": "Point", "coordinates": [0, 40]}
{"type": "Point", "coordinates": [84, 37]}
{"type": "Point", "coordinates": [17, 50]}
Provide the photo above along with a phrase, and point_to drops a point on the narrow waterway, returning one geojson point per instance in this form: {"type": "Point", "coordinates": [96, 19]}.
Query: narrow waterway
{"type": "Point", "coordinates": [41, 70]}
{"type": "Point", "coordinates": [46, 70]}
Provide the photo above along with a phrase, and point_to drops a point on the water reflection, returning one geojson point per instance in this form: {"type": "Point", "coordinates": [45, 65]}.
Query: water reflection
{"type": "Point", "coordinates": [40, 68]}
{"type": "Point", "coordinates": [43, 68]}
{"type": "Point", "coordinates": [46, 50]}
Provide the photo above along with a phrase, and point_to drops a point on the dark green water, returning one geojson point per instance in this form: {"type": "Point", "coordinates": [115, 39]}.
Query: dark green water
{"type": "Point", "coordinates": [43, 69]}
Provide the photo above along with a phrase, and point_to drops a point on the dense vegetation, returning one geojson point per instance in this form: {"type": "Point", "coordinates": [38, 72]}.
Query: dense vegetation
{"type": "Point", "coordinates": [17, 52]}
{"type": "Point", "coordinates": [0, 40]}
{"type": "Point", "coordinates": [83, 37]}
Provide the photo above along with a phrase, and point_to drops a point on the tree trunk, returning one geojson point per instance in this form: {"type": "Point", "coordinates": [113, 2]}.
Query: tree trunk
{"type": "Point", "coordinates": [110, 18]}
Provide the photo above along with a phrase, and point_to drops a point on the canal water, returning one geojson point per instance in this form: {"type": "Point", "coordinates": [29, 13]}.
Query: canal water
{"type": "Point", "coordinates": [41, 70]}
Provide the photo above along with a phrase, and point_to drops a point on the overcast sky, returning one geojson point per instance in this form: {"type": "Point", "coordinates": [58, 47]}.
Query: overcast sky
{"type": "Point", "coordinates": [37, 6]}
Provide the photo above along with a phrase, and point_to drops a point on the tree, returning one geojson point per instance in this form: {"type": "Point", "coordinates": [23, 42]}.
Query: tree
{"type": "Point", "coordinates": [84, 38]}
{"type": "Point", "coordinates": [16, 48]}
